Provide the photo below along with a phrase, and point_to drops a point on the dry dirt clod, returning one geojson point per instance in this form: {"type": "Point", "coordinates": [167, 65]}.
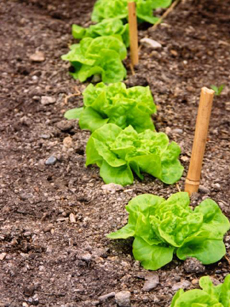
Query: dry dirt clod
{"type": "Point", "coordinates": [38, 56]}
{"type": "Point", "coordinates": [193, 265]}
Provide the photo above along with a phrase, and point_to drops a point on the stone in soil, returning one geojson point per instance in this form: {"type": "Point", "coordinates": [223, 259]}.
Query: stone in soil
{"type": "Point", "coordinates": [181, 285]}
{"type": "Point", "coordinates": [38, 56]}
{"type": "Point", "coordinates": [151, 281]}
{"type": "Point", "coordinates": [51, 160]}
{"type": "Point", "coordinates": [65, 125]}
{"type": "Point", "coordinates": [193, 265]}
{"type": "Point", "coordinates": [46, 100]}
{"type": "Point", "coordinates": [123, 298]}
{"type": "Point", "coordinates": [148, 42]}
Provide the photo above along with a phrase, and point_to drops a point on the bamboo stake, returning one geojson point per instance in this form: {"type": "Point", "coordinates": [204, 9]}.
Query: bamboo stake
{"type": "Point", "coordinates": [192, 181]}
{"type": "Point", "coordinates": [133, 33]}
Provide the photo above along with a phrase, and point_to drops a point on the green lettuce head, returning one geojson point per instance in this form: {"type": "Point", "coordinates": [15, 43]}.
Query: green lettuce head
{"type": "Point", "coordinates": [209, 296]}
{"type": "Point", "coordinates": [98, 56]}
{"type": "Point", "coordinates": [106, 27]}
{"type": "Point", "coordinates": [162, 228]}
{"type": "Point", "coordinates": [119, 153]}
{"type": "Point", "coordinates": [104, 9]}
{"type": "Point", "coordinates": [115, 104]}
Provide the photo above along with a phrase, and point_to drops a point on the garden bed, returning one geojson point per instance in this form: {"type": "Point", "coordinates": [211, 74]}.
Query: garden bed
{"type": "Point", "coordinates": [54, 218]}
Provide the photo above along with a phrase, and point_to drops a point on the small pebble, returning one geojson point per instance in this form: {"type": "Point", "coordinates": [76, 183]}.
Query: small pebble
{"type": "Point", "coordinates": [112, 187]}
{"type": "Point", "coordinates": [38, 56]}
{"type": "Point", "coordinates": [203, 190]}
{"type": "Point", "coordinates": [178, 131]}
{"type": "Point", "coordinates": [72, 218]}
{"type": "Point", "coordinates": [2, 256]}
{"type": "Point", "coordinates": [86, 257]}
{"type": "Point", "coordinates": [67, 142]}
{"type": "Point", "coordinates": [65, 125]}
{"type": "Point", "coordinates": [51, 160]}
{"type": "Point", "coordinates": [123, 298]}
{"type": "Point", "coordinates": [151, 43]}
{"type": "Point", "coordinates": [45, 136]}
{"type": "Point", "coordinates": [46, 100]}
{"type": "Point", "coordinates": [151, 281]}
{"type": "Point", "coordinates": [181, 285]}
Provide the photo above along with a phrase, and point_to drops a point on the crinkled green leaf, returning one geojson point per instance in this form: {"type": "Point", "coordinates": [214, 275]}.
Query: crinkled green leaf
{"type": "Point", "coordinates": [123, 233]}
{"type": "Point", "coordinates": [104, 9]}
{"type": "Point", "coordinates": [206, 251]}
{"type": "Point", "coordinates": [73, 113]}
{"type": "Point", "coordinates": [225, 292]}
{"type": "Point", "coordinates": [98, 56]}
{"type": "Point", "coordinates": [209, 296]}
{"type": "Point", "coordinates": [91, 119]}
{"type": "Point", "coordinates": [121, 106]}
{"type": "Point", "coordinates": [107, 27]}
{"type": "Point", "coordinates": [159, 225]}
{"type": "Point", "coordinates": [120, 175]}
{"type": "Point", "coordinates": [152, 257]}
{"type": "Point", "coordinates": [139, 152]}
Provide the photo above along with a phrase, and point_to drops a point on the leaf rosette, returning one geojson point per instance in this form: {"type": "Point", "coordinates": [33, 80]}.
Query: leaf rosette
{"type": "Point", "coordinates": [115, 104]}
{"type": "Point", "coordinates": [162, 228]}
{"type": "Point", "coordinates": [106, 27]}
{"type": "Point", "coordinates": [209, 296]}
{"type": "Point", "coordinates": [104, 9]}
{"type": "Point", "coordinates": [98, 56]}
{"type": "Point", "coordinates": [119, 153]}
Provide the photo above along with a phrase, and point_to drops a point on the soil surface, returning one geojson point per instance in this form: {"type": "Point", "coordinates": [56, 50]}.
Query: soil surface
{"type": "Point", "coordinates": [54, 218]}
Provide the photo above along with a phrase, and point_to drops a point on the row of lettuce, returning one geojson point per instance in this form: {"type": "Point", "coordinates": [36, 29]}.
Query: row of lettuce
{"type": "Point", "coordinates": [103, 46]}
{"type": "Point", "coordinates": [124, 143]}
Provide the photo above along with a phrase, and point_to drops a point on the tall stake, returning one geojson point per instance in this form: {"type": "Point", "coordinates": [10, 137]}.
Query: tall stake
{"type": "Point", "coordinates": [192, 181]}
{"type": "Point", "coordinates": [133, 33]}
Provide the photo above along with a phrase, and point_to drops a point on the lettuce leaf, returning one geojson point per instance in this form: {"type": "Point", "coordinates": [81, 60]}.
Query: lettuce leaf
{"type": "Point", "coordinates": [106, 27]}
{"type": "Point", "coordinates": [164, 227]}
{"type": "Point", "coordinates": [118, 105]}
{"type": "Point", "coordinates": [104, 9]}
{"type": "Point", "coordinates": [209, 296]}
{"type": "Point", "coordinates": [98, 56]}
{"type": "Point", "coordinates": [119, 152]}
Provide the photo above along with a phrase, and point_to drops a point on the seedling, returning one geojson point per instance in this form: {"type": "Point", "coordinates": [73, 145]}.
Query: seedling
{"type": "Point", "coordinates": [217, 90]}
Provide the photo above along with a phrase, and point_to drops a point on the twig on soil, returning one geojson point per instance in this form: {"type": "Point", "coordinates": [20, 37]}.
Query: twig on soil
{"type": "Point", "coordinates": [132, 69]}
{"type": "Point", "coordinates": [169, 10]}
{"type": "Point", "coordinates": [227, 259]}
{"type": "Point", "coordinates": [78, 93]}
{"type": "Point", "coordinates": [178, 187]}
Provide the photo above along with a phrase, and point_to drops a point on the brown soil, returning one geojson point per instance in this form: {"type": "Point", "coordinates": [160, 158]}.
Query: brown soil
{"type": "Point", "coordinates": [44, 259]}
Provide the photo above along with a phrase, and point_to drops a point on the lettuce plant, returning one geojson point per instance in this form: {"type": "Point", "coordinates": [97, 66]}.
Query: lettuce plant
{"type": "Point", "coordinates": [163, 227]}
{"type": "Point", "coordinates": [104, 9]}
{"type": "Point", "coordinates": [119, 152]}
{"type": "Point", "coordinates": [107, 27]}
{"type": "Point", "coordinates": [98, 56]}
{"type": "Point", "coordinates": [209, 296]}
{"type": "Point", "coordinates": [115, 104]}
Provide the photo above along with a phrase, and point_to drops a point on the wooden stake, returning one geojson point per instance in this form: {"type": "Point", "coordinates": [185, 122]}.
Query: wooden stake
{"type": "Point", "coordinates": [133, 33]}
{"type": "Point", "coordinates": [192, 181]}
